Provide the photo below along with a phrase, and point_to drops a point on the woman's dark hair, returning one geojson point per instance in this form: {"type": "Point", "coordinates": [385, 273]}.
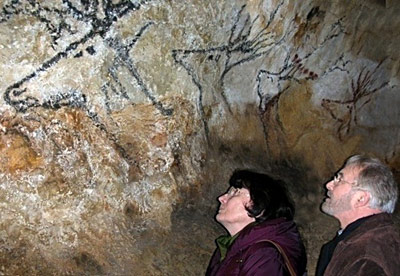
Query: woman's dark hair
{"type": "Point", "coordinates": [269, 196]}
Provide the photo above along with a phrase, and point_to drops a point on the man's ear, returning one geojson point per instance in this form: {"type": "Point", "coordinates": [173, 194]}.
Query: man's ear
{"type": "Point", "coordinates": [361, 199]}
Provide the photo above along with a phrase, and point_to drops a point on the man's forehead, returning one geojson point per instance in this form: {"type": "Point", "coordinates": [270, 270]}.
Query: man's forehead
{"type": "Point", "coordinates": [350, 170]}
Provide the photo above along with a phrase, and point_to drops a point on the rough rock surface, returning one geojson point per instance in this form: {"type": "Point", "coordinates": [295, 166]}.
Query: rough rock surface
{"type": "Point", "coordinates": [121, 121]}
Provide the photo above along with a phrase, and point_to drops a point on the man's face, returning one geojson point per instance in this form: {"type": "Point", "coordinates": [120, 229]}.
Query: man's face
{"type": "Point", "coordinates": [340, 192]}
{"type": "Point", "coordinates": [232, 210]}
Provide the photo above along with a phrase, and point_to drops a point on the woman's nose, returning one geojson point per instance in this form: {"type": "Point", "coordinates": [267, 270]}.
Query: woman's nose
{"type": "Point", "coordinates": [222, 198]}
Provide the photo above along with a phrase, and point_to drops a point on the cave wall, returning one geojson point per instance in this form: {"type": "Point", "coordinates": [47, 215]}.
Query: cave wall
{"type": "Point", "coordinates": [121, 121]}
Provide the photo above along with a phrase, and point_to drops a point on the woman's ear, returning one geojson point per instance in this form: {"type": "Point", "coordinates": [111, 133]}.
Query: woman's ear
{"type": "Point", "coordinates": [248, 204]}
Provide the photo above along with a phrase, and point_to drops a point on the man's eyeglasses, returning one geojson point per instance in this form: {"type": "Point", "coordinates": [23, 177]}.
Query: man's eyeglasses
{"type": "Point", "coordinates": [338, 178]}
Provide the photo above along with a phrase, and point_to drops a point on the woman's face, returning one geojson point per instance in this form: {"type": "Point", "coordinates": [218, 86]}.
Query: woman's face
{"type": "Point", "coordinates": [232, 213]}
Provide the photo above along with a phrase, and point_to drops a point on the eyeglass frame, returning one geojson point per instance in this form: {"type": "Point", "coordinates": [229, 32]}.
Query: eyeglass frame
{"type": "Point", "coordinates": [338, 178]}
{"type": "Point", "coordinates": [233, 191]}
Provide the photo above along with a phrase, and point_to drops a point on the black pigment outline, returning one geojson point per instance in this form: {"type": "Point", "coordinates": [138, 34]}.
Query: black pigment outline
{"type": "Point", "coordinates": [100, 26]}
{"type": "Point", "coordinates": [238, 43]}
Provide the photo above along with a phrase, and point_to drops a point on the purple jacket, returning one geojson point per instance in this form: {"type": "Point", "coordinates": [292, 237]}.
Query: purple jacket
{"type": "Point", "coordinates": [248, 256]}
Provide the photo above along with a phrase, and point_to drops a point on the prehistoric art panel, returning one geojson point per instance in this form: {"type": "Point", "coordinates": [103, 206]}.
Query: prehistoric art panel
{"type": "Point", "coordinates": [121, 121]}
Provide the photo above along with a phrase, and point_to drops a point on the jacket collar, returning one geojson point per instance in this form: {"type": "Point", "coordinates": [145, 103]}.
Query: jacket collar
{"type": "Point", "coordinates": [254, 232]}
{"type": "Point", "coordinates": [368, 223]}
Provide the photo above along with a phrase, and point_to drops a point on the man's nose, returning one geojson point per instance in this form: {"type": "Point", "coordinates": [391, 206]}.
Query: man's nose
{"type": "Point", "coordinates": [330, 185]}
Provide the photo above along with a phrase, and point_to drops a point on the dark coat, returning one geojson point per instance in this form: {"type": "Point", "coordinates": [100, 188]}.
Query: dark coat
{"type": "Point", "coordinates": [248, 256]}
{"type": "Point", "coordinates": [373, 248]}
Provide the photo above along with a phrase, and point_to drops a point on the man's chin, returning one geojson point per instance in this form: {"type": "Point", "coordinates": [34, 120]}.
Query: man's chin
{"type": "Point", "coordinates": [325, 209]}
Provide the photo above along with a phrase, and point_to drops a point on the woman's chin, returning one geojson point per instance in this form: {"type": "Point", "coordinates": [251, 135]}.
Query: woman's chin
{"type": "Point", "coordinates": [219, 217]}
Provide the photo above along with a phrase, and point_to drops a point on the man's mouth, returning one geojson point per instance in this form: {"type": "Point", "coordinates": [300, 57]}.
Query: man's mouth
{"type": "Point", "coordinates": [327, 197]}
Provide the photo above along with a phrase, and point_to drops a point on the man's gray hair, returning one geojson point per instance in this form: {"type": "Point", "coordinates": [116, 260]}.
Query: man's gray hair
{"type": "Point", "coordinates": [376, 178]}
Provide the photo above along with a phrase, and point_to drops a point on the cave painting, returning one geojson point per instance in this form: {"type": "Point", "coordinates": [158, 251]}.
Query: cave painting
{"type": "Point", "coordinates": [243, 45]}
{"type": "Point", "coordinates": [362, 88]}
{"type": "Point", "coordinates": [295, 64]}
{"type": "Point", "coordinates": [56, 23]}
{"type": "Point", "coordinates": [248, 42]}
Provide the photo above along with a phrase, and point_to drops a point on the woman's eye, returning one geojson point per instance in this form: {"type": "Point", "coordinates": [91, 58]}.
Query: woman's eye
{"type": "Point", "coordinates": [232, 191]}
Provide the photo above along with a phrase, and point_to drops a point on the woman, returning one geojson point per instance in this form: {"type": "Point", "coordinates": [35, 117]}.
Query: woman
{"type": "Point", "coordinates": [263, 239]}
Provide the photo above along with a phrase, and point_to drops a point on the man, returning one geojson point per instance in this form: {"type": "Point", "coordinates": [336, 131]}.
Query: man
{"type": "Point", "coordinates": [362, 196]}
